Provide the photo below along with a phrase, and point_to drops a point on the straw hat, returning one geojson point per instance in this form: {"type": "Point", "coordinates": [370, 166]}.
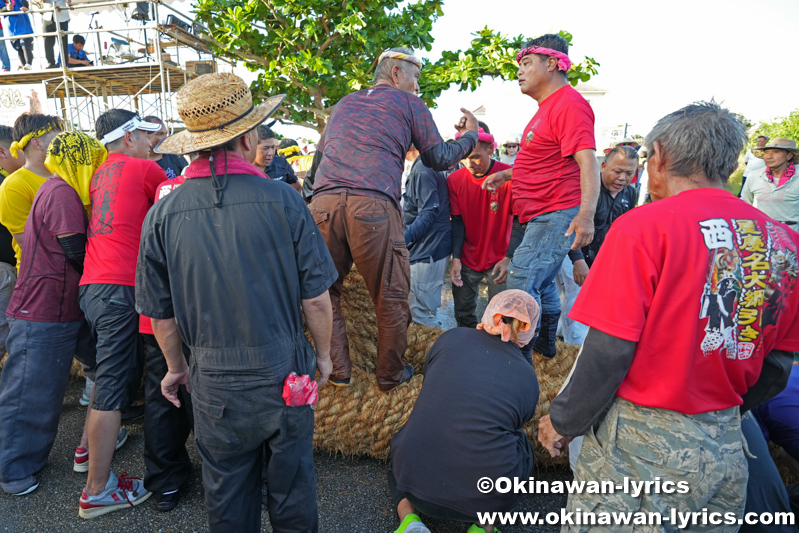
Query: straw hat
{"type": "Point", "coordinates": [789, 145]}
{"type": "Point", "coordinates": [216, 108]}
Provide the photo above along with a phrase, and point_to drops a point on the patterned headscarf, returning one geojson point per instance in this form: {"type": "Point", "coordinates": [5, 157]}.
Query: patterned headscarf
{"type": "Point", "coordinates": [75, 156]}
{"type": "Point", "coordinates": [515, 304]}
{"type": "Point", "coordinates": [16, 146]}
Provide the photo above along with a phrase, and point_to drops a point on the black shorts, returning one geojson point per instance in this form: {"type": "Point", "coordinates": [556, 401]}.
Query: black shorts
{"type": "Point", "coordinates": [109, 310]}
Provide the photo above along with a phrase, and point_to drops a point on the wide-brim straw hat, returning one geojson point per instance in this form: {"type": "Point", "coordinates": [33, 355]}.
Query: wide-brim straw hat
{"type": "Point", "coordinates": [781, 143]}
{"type": "Point", "coordinates": [216, 108]}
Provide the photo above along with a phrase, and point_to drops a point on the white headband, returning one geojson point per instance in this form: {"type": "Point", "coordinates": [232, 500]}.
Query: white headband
{"type": "Point", "coordinates": [133, 124]}
{"type": "Point", "coordinates": [399, 55]}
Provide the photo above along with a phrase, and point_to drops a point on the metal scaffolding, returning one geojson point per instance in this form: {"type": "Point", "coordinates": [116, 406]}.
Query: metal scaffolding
{"type": "Point", "coordinates": [124, 76]}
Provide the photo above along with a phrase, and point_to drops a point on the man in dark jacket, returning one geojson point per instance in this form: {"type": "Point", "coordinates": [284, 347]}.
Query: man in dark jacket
{"type": "Point", "coordinates": [428, 235]}
{"type": "Point", "coordinates": [616, 197]}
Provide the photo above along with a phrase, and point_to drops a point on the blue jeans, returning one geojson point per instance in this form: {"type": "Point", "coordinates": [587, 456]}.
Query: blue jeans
{"type": "Point", "coordinates": [4, 53]}
{"type": "Point", "coordinates": [32, 390]}
{"type": "Point", "coordinates": [537, 260]}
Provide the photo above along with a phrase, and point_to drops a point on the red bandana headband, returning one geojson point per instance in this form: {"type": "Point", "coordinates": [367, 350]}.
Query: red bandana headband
{"type": "Point", "coordinates": [564, 63]}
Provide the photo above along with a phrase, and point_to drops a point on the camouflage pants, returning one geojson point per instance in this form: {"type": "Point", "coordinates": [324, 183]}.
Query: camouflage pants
{"type": "Point", "coordinates": [642, 444]}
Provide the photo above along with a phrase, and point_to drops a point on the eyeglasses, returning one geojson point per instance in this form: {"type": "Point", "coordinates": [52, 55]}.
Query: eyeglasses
{"type": "Point", "coordinates": [511, 146]}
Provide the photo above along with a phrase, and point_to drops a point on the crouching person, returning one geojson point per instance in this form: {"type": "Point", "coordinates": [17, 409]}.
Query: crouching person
{"type": "Point", "coordinates": [479, 390]}
{"type": "Point", "coordinates": [47, 327]}
{"type": "Point", "coordinates": [232, 281]}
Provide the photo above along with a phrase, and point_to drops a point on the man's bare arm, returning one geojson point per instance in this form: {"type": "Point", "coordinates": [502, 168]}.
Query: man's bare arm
{"type": "Point", "coordinates": [583, 223]}
{"type": "Point", "coordinates": [319, 317]}
{"type": "Point", "coordinates": [166, 333]}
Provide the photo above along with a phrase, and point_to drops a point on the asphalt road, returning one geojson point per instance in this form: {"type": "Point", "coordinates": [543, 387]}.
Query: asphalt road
{"type": "Point", "coordinates": [352, 492]}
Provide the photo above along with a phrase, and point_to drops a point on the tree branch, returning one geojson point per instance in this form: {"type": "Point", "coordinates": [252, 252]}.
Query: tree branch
{"type": "Point", "coordinates": [243, 55]}
{"type": "Point", "coordinates": [274, 12]}
{"type": "Point", "coordinates": [327, 43]}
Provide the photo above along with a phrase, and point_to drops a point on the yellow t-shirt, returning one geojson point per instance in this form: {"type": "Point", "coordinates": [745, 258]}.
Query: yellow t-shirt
{"type": "Point", "coordinates": [16, 197]}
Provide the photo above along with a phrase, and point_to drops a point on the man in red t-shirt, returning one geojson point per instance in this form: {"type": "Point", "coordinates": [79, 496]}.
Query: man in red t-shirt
{"type": "Point", "coordinates": [555, 175]}
{"type": "Point", "coordinates": [481, 226]}
{"type": "Point", "coordinates": [692, 304]}
{"type": "Point", "coordinates": [122, 191]}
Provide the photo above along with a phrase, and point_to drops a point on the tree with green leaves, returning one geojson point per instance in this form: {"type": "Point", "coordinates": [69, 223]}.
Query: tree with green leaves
{"type": "Point", "coordinates": [318, 51]}
{"type": "Point", "coordinates": [780, 127]}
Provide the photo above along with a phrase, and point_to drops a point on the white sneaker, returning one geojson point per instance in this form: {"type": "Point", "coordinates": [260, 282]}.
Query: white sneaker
{"type": "Point", "coordinates": [27, 67]}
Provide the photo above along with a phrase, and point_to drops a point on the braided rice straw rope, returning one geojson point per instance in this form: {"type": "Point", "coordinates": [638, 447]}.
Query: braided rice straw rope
{"type": "Point", "coordinates": [360, 419]}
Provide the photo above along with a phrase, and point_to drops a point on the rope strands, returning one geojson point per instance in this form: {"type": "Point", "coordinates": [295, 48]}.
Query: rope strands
{"type": "Point", "coordinates": [361, 420]}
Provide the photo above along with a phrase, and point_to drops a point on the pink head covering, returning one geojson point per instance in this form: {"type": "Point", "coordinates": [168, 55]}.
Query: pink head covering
{"type": "Point", "coordinates": [564, 63]}
{"type": "Point", "coordinates": [482, 136]}
{"type": "Point", "coordinates": [511, 303]}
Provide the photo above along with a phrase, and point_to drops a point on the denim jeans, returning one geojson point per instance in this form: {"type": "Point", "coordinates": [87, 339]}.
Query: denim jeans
{"type": "Point", "coordinates": [4, 53]}
{"type": "Point", "coordinates": [8, 279]}
{"type": "Point", "coordinates": [427, 280]}
{"type": "Point", "coordinates": [538, 258]}
{"type": "Point", "coordinates": [32, 390]}
{"type": "Point", "coordinates": [573, 332]}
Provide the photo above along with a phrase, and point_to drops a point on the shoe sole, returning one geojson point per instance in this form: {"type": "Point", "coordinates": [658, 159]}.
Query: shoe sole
{"type": "Point", "coordinates": [94, 512]}
{"type": "Point", "coordinates": [338, 384]}
{"type": "Point", "coordinates": [120, 443]}
{"type": "Point", "coordinates": [84, 467]}
{"type": "Point", "coordinates": [27, 491]}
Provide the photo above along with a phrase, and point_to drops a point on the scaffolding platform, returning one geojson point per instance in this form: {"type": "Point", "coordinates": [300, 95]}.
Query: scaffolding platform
{"type": "Point", "coordinates": [103, 80]}
{"type": "Point", "coordinates": [141, 70]}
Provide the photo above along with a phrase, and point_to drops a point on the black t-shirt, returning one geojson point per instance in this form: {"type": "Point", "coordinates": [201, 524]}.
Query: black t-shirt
{"type": "Point", "coordinates": [280, 170]}
{"type": "Point", "coordinates": [478, 392]}
{"type": "Point", "coordinates": [6, 248]}
{"type": "Point", "coordinates": [173, 165]}
{"type": "Point", "coordinates": [234, 276]}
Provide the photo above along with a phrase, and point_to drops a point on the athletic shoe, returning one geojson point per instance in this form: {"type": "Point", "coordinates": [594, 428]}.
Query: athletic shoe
{"type": "Point", "coordinates": [27, 67]}
{"type": "Point", "coordinates": [412, 524]}
{"type": "Point", "coordinates": [21, 486]}
{"type": "Point", "coordinates": [87, 393]}
{"type": "Point", "coordinates": [82, 454]}
{"type": "Point", "coordinates": [119, 493]}
{"type": "Point", "coordinates": [474, 528]}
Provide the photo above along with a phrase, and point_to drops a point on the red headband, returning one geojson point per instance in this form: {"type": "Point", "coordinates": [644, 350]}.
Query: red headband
{"type": "Point", "coordinates": [564, 63]}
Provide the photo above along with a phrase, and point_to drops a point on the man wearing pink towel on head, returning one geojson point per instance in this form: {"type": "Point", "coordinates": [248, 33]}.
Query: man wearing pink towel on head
{"type": "Point", "coordinates": [481, 228]}
{"type": "Point", "coordinates": [555, 175]}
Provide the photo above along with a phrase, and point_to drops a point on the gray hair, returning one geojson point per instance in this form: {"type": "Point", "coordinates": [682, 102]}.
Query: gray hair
{"type": "Point", "coordinates": [384, 68]}
{"type": "Point", "coordinates": [700, 138]}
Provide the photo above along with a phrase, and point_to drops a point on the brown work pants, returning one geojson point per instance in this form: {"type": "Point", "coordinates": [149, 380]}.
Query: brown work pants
{"type": "Point", "coordinates": [368, 231]}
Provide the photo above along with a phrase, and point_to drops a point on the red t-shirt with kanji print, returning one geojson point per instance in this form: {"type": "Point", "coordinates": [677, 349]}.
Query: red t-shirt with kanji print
{"type": "Point", "coordinates": [122, 191]}
{"type": "Point", "coordinates": [705, 284]}
{"type": "Point", "coordinates": [545, 175]}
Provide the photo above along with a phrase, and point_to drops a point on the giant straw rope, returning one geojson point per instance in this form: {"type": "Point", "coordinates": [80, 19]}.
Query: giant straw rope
{"type": "Point", "coordinates": [360, 419]}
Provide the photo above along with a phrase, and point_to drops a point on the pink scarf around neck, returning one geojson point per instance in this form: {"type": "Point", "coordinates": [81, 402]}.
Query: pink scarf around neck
{"type": "Point", "coordinates": [201, 168]}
